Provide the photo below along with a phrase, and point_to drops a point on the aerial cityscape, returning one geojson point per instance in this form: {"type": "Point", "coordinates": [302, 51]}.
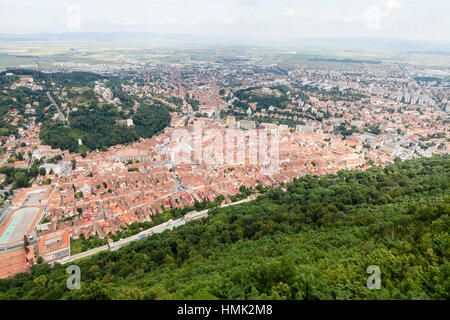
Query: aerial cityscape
{"type": "Point", "coordinates": [170, 166]}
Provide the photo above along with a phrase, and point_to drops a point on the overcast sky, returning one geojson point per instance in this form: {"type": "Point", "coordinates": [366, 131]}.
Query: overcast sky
{"type": "Point", "coordinates": [403, 19]}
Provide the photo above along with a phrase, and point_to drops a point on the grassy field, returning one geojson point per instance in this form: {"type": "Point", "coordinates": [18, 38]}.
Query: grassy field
{"type": "Point", "coordinates": [75, 247]}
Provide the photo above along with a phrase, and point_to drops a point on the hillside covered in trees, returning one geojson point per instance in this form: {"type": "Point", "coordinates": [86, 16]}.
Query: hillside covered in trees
{"type": "Point", "coordinates": [97, 122]}
{"type": "Point", "coordinates": [98, 129]}
{"type": "Point", "coordinates": [313, 241]}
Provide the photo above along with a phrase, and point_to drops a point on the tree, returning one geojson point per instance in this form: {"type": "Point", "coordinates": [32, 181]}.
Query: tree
{"type": "Point", "coordinates": [42, 171]}
{"type": "Point", "coordinates": [78, 195]}
{"type": "Point", "coordinates": [26, 242]}
{"type": "Point", "coordinates": [21, 180]}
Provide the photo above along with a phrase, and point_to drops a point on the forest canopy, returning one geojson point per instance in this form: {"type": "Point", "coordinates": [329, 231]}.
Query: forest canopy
{"type": "Point", "coordinates": [97, 127]}
{"type": "Point", "coordinates": [314, 240]}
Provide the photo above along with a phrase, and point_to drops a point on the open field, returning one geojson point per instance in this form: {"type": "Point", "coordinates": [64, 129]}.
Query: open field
{"type": "Point", "coordinates": [45, 53]}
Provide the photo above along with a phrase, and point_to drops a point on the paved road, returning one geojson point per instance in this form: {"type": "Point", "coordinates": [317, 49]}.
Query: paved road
{"type": "Point", "coordinates": [191, 216]}
{"type": "Point", "coordinates": [61, 115]}
{"type": "Point", "coordinates": [217, 111]}
{"type": "Point", "coordinates": [83, 254]}
{"type": "Point", "coordinates": [4, 211]}
{"type": "Point", "coordinates": [102, 209]}
{"type": "Point", "coordinates": [11, 246]}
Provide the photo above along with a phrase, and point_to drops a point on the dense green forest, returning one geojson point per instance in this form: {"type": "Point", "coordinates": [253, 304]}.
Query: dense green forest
{"type": "Point", "coordinates": [263, 101]}
{"type": "Point", "coordinates": [313, 241]}
{"type": "Point", "coordinates": [71, 79]}
{"type": "Point", "coordinates": [280, 98]}
{"type": "Point", "coordinates": [151, 118]}
{"type": "Point", "coordinates": [98, 129]}
{"type": "Point", "coordinates": [6, 80]}
{"type": "Point", "coordinates": [333, 94]}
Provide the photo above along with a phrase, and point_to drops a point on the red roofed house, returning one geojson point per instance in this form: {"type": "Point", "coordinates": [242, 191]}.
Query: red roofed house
{"type": "Point", "coordinates": [54, 246]}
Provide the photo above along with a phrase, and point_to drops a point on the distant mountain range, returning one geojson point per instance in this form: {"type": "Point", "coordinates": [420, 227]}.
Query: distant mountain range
{"type": "Point", "coordinates": [425, 47]}
{"type": "Point", "coordinates": [96, 36]}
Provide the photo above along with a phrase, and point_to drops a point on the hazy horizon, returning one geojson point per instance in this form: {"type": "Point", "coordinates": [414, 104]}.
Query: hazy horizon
{"type": "Point", "coordinates": [284, 20]}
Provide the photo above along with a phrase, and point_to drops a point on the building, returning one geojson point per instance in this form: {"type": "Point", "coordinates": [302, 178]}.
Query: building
{"type": "Point", "coordinates": [134, 154]}
{"type": "Point", "coordinates": [54, 246]}
{"type": "Point", "coordinates": [13, 262]}
{"type": "Point", "coordinates": [110, 242]}
{"type": "Point", "coordinates": [33, 195]}
{"type": "Point", "coordinates": [55, 168]}
{"type": "Point", "coordinates": [269, 126]}
{"type": "Point", "coordinates": [209, 110]}
{"type": "Point", "coordinates": [247, 124]}
{"type": "Point", "coordinates": [45, 152]}
{"type": "Point", "coordinates": [304, 128]}
{"type": "Point", "coordinates": [30, 255]}
{"type": "Point", "coordinates": [129, 122]}
{"type": "Point", "coordinates": [231, 121]}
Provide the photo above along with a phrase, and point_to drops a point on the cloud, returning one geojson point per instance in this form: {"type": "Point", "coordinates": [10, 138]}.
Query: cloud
{"type": "Point", "coordinates": [128, 23]}
{"type": "Point", "coordinates": [249, 2]}
{"type": "Point", "coordinates": [230, 20]}
{"type": "Point", "coordinates": [167, 21]}
{"type": "Point", "coordinates": [192, 22]}
{"type": "Point", "coordinates": [350, 19]}
{"type": "Point", "coordinates": [289, 13]}
{"type": "Point", "coordinates": [73, 21]}
{"type": "Point", "coordinates": [393, 4]}
{"type": "Point", "coordinates": [374, 16]}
